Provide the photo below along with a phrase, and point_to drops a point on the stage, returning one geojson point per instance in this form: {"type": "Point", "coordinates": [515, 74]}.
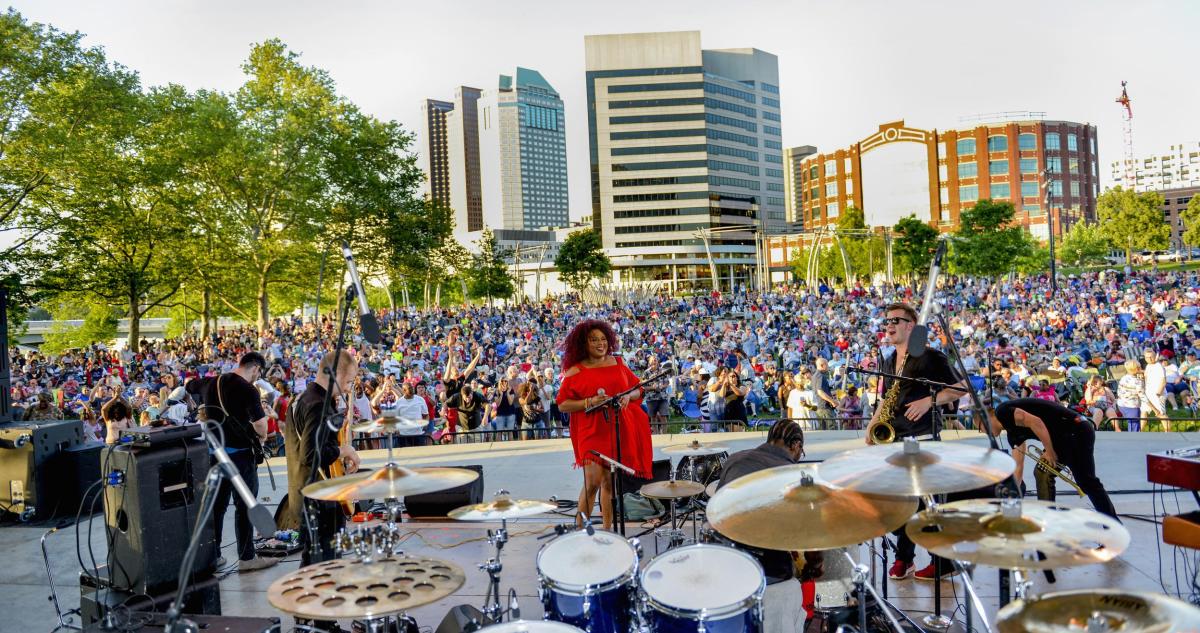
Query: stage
{"type": "Point", "coordinates": [541, 469]}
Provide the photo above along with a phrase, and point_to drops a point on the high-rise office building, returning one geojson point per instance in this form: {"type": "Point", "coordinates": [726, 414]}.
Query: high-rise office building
{"type": "Point", "coordinates": [523, 153]}
{"type": "Point", "coordinates": [462, 132]}
{"type": "Point", "coordinates": [793, 175]}
{"type": "Point", "coordinates": [1176, 169]}
{"type": "Point", "coordinates": [435, 151]}
{"type": "Point", "coordinates": [683, 141]}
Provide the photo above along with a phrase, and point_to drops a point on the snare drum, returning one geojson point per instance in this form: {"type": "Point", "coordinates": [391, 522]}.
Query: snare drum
{"type": "Point", "coordinates": [531, 626]}
{"type": "Point", "coordinates": [588, 581]}
{"type": "Point", "coordinates": [706, 588]}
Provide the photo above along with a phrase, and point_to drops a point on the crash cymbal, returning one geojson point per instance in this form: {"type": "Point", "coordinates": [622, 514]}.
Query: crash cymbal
{"type": "Point", "coordinates": [765, 508]}
{"type": "Point", "coordinates": [677, 489]}
{"type": "Point", "coordinates": [696, 449]}
{"type": "Point", "coordinates": [390, 425]}
{"type": "Point", "coordinates": [1099, 610]}
{"type": "Point", "coordinates": [1042, 535]}
{"type": "Point", "coordinates": [389, 482]}
{"type": "Point", "coordinates": [917, 469]}
{"type": "Point", "coordinates": [502, 507]}
{"type": "Point", "coordinates": [345, 588]}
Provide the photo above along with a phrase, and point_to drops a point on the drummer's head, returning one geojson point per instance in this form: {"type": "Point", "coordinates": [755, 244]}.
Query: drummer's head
{"type": "Point", "coordinates": [787, 435]}
{"type": "Point", "coordinates": [347, 369]}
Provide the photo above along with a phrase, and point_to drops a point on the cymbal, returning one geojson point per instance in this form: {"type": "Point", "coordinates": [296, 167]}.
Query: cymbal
{"type": "Point", "coordinates": [503, 507]}
{"type": "Point", "coordinates": [1124, 611]}
{"type": "Point", "coordinates": [1043, 535]}
{"type": "Point", "coordinates": [390, 425]}
{"type": "Point", "coordinates": [696, 449]}
{"type": "Point", "coordinates": [711, 489]}
{"type": "Point", "coordinates": [345, 588]}
{"type": "Point", "coordinates": [389, 482]}
{"type": "Point", "coordinates": [917, 469]}
{"type": "Point", "coordinates": [677, 489]}
{"type": "Point", "coordinates": [765, 508]}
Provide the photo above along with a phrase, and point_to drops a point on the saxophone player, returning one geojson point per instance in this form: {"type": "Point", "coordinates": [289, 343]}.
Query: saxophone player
{"type": "Point", "coordinates": [908, 408]}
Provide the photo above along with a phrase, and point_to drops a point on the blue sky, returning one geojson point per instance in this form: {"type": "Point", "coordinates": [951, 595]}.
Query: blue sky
{"type": "Point", "coordinates": [845, 66]}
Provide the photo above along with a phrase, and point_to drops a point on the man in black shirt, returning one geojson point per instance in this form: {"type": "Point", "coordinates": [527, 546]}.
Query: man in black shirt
{"type": "Point", "coordinates": [783, 610]}
{"type": "Point", "coordinates": [232, 401]}
{"type": "Point", "coordinates": [1067, 438]}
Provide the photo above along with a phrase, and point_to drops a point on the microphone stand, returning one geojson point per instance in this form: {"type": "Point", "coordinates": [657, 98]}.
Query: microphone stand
{"type": "Point", "coordinates": [611, 408]}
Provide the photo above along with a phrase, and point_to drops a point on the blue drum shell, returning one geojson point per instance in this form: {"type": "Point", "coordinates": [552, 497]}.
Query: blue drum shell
{"type": "Point", "coordinates": [608, 611]}
{"type": "Point", "coordinates": [744, 622]}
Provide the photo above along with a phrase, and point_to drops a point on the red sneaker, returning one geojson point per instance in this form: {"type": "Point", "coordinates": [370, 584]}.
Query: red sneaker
{"type": "Point", "coordinates": [948, 571]}
{"type": "Point", "coordinates": [901, 570]}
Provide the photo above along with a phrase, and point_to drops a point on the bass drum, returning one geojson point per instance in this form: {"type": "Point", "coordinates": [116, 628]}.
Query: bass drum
{"type": "Point", "coordinates": [708, 468]}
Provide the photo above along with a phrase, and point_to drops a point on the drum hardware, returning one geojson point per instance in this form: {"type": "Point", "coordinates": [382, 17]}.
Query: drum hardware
{"type": "Point", "coordinates": [1098, 611]}
{"type": "Point", "coordinates": [917, 469]}
{"type": "Point", "coordinates": [369, 544]}
{"type": "Point", "coordinates": [671, 491]}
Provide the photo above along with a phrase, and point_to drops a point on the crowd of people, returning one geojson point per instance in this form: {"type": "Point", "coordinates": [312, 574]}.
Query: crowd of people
{"type": "Point", "coordinates": [1120, 346]}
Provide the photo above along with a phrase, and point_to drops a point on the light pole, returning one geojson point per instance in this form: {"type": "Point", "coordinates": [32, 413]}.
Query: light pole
{"type": "Point", "coordinates": [1050, 224]}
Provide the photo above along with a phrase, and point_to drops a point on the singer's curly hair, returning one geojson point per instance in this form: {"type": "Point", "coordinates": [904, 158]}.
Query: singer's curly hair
{"type": "Point", "coordinates": [574, 347]}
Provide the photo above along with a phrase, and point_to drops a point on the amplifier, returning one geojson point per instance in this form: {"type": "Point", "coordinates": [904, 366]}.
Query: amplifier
{"type": "Point", "coordinates": [203, 596]}
{"type": "Point", "coordinates": [35, 481]}
{"type": "Point", "coordinates": [439, 504]}
{"type": "Point", "coordinates": [1179, 468]}
{"type": "Point", "coordinates": [152, 436]}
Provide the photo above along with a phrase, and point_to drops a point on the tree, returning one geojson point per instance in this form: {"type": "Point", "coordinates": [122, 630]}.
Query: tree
{"type": "Point", "coordinates": [99, 326]}
{"type": "Point", "coordinates": [581, 259]}
{"type": "Point", "coordinates": [913, 244]}
{"type": "Point", "coordinates": [489, 277]}
{"type": "Point", "coordinates": [989, 243]}
{"type": "Point", "coordinates": [1191, 222]}
{"type": "Point", "coordinates": [1085, 243]}
{"type": "Point", "coordinates": [1133, 221]}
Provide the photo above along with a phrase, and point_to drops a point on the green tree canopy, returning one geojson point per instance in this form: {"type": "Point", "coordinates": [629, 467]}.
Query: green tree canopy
{"type": "Point", "coordinates": [1191, 222]}
{"type": "Point", "coordinates": [1083, 244]}
{"type": "Point", "coordinates": [1133, 221]}
{"type": "Point", "coordinates": [489, 277]}
{"type": "Point", "coordinates": [989, 244]}
{"type": "Point", "coordinates": [581, 259]}
{"type": "Point", "coordinates": [914, 243]}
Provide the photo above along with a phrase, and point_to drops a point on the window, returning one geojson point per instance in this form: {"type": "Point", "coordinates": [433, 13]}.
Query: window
{"type": "Point", "coordinates": [770, 116]}
{"type": "Point", "coordinates": [674, 164]}
{"type": "Point", "coordinates": [773, 131]}
{"type": "Point", "coordinates": [812, 172]}
{"type": "Point", "coordinates": [1027, 142]}
{"type": "Point", "coordinates": [1000, 190]}
{"type": "Point", "coordinates": [654, 182]}
{"type": "Point", "coordinates": [775, 186]}
{"type": "Point", "coordinates": [1056, 188]}
{"type": "Point", "coordinates": [1032, 209]}
{"type": "Point", "coordinates": [1029, 166]}
{"type": "Point", "coordinates": [657, 118]}
{"type": "Point", "coordinates": [733, 182]}
{"type": "Point", "coordinates": [774, 103]}
{"type": "Point", "coordinates": [721, 150]}
{"type": "Point", "coordinates": [1072, 143]}
{"type": "Point", "coordinates": [830, 189]}
{"type": "Point", "coordinates": [541, 118]}
{"type": "Point", "coordinates": [814, 193]}
{"type": "Point", "coordinates": [773, 158]}
{"type": "Point", "coordinates": [721, 165]}
{"type": "Point", "coordinates": [1053, 140]}
{"type": "Point", "coordinates": [679, 85]}
{"type": "Point", "coordinates": [770, 88]}
{"type": "Point", "coordinates": [1054, 164]}
{"type": "Point", "coordinates": [966, 146]}
{"type": "Point", "coordinates": [831, 210]}
{"type": "Point", "coordinates": [772, 144]}
{"type": "Point", "coordinates": [968, 193]}
{"type": "Point", "coordinates": [774, 173]}
{"type": "Point", "coordinates": [625, 136]}
{"type": "Point", "coordinates": [775, 201]}
{"type": "Point", "coordinates": [1074, 189]}
{"type": "Point", "coordinates": [830, 167]}
{"type": "Point", "coordinates": [998, 167]}
{"type": "Point", "coordinates": [655, 197]}
{"type": "Point", "coordinates": [655, 103]}
{"type": "Point", "coordinates": [661, 149]}
{"type": "Point", "coordinates": [732, 107]}
{"type": "Point", "coordinates": [1029, 189]}
{"type": "Point", "coordinates": [717, 119]}
{"type": "Point", "coordinates": [729, 92]}
{"type": "Point", "coordinates": [722, 135]}
{"type": "Point", "coordinates": [967, 170]}
{"type": "Point", "coordinates": [1073, 165]}
{"type": "Point", "coordinates": [997, 144]}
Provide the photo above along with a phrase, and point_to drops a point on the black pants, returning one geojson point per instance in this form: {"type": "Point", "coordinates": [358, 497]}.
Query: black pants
{"type": "Point", "coordinates": [1080, 456]}
{"type": "Point", "coordinates": [243, 460]}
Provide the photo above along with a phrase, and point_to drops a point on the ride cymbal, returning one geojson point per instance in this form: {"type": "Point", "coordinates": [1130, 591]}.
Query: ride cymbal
{"type": "Point", "coordinates": [389, 482]}
{"type": "Point", "coordinates": [917, 469]}
{"type": "Point", "coordinates": [391, 426]}
{"type": "Point", "coordinates": [676, 489]}
{"type": "Point", "coordinates": [502, 507]}
{"type": "Point", "coordinates": [1042, 535]}
{"type": "Point", "coordinates": [1098, 610]}
{"type": "Point", "coordinates": [791, 508]}
{"type": "Point", "coordinates": [346, 588]}
{"type": "Point", "coordinates": [696, 449]}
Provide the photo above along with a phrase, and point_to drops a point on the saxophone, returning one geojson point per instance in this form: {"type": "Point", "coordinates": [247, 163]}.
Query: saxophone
{"type": "Point", "coordinates": [881, 431]}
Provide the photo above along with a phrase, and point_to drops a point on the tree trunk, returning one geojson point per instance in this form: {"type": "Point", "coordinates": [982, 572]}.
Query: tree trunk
{"type": "Point", "coordinates": [205, 312]}
{"type": "Point", "coordinates": [135, 329]}
{"type": "Point", "coordinates": [437, 295]}
{"type": "Point", "coordinates": [425, 297]}
{"type": "Point", "coordinates": [466, 298]}
{"type": "Point", "coordinates": [263, 302]}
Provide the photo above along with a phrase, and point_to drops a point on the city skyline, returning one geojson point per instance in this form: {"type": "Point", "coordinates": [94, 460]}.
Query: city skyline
{"type": "Point", "coordinates": [890, 61]}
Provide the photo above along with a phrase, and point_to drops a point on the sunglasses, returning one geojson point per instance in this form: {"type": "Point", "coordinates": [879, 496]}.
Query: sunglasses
{"type": "Point", "coordinates": [897, 320]}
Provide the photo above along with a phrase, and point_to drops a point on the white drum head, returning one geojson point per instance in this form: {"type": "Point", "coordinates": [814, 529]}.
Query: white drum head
{"type": "Point", "coordinates": [702, 577]}
{"type": "Point", "coordinates": [577, 560]}
{"type": "Point", "coordinates": [532, 626]}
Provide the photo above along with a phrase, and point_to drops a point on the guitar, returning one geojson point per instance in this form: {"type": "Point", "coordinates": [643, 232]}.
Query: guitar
{"type": "Point", "coordinates": [338, 467]}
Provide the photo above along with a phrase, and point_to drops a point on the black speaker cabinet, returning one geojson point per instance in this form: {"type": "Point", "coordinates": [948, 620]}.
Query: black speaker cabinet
{"type": "Point", "coordinates": [151, 514]}
{"type": "Point", "coordinates": [34, 479]}
{"type": "Point", "coordinates": [203, 596]}
{"type": "Point", "coordinates": [82, 464]}
{"type": "Point", "coordinates": [439, 504]}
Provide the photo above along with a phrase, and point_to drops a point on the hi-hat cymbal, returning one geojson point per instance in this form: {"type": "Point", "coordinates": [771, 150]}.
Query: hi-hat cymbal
{"type": "Point", "coordinates": [389, 425]}
{"type": "Point", "coordinates": [389, 482]}
{"type": "Point", "coordinates": [345, 588]}
{"type": "Point", "coordinates": [1043, 535]}
{"type": "Point", "coordinates": [1105, 610]}
{"type": "Point", "coordinates": [677, 489]}
{"type": "Point", "coordinates": [502, 507]}
{"type": "Point", "coordinates": [917, 469]}
{"type": "Point", "coordinates": [791, 508]}
{"type": "Point", "coordinates": [696, 449]}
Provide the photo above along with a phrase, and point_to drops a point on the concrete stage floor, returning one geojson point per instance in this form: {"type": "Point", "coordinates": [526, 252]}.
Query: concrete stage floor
{"type": "Point", "coordinates": [540, 469]}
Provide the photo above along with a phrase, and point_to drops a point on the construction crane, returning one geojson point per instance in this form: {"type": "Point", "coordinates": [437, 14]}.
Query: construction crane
{"type": "Point", "coordinates": [1127, 116]}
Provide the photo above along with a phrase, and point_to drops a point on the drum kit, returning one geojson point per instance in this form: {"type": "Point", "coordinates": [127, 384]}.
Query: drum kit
{"type": "Point", "coordinates": [595, 580]}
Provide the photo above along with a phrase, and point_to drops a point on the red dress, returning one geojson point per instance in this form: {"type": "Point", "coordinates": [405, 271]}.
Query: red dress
{"type": "Point", "coordinates": [590, 432]}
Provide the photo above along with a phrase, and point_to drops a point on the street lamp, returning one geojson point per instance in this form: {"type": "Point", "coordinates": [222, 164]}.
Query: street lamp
{"type": "Point", "coordinates": [1050, 224]}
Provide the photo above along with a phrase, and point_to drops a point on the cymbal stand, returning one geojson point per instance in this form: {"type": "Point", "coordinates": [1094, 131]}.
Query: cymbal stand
{"type": "Point", "coordinates": [938, 620]}
{"type": "Point", "coordinates": [673, 534]}
{"type": "Point", "coordinates": [861, 589]}
{"type": "Point", "coordinates": [492, 610]}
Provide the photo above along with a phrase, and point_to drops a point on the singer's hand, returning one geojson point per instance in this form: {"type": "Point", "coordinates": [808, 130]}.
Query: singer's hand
{"type": "Point", "coordinates": [918, 408]}
{"type": "Point", "coordinates": [625, 399]}
{"type": "Point", "coordinates": [350, 456]}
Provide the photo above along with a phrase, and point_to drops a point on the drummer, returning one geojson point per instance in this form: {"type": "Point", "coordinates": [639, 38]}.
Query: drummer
{"type": "Point", "coordinates": [1067, 438]}
{"type": "Point", "coordinates": [783, 604]}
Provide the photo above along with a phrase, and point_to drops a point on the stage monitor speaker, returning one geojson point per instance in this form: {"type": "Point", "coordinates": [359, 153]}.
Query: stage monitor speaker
{"type": "Point", "coordinates": [203, 597]}
{"type": "Point", "coordinates": [151, 514]}
{"type": "Point", "coordinates": [81, 469]}
{"type": "Point", "coordinates": [439, 504]}
{"type": "Point", "coordinates": [34, 479]}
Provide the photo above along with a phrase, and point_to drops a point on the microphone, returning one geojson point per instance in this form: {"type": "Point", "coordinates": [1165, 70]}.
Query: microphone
{"type": "Point", "coordinates": [366, 318]}
{"type": "Point", "coordinates": [918, 339]}
{"type": "Point", "coordinates": [260, 516]}
{"type": "Point", "coordinates": [587, 524]}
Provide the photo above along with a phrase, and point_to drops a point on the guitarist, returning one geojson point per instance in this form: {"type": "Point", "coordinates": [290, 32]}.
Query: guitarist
{"type": "Point", "coordinates": [303, 454]}
{"type": "Point", "coordinates": [233, 402]}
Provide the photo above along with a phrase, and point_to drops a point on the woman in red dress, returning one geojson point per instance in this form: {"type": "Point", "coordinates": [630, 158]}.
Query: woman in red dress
{"type": "Point", "coordinates": [590, 370]}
